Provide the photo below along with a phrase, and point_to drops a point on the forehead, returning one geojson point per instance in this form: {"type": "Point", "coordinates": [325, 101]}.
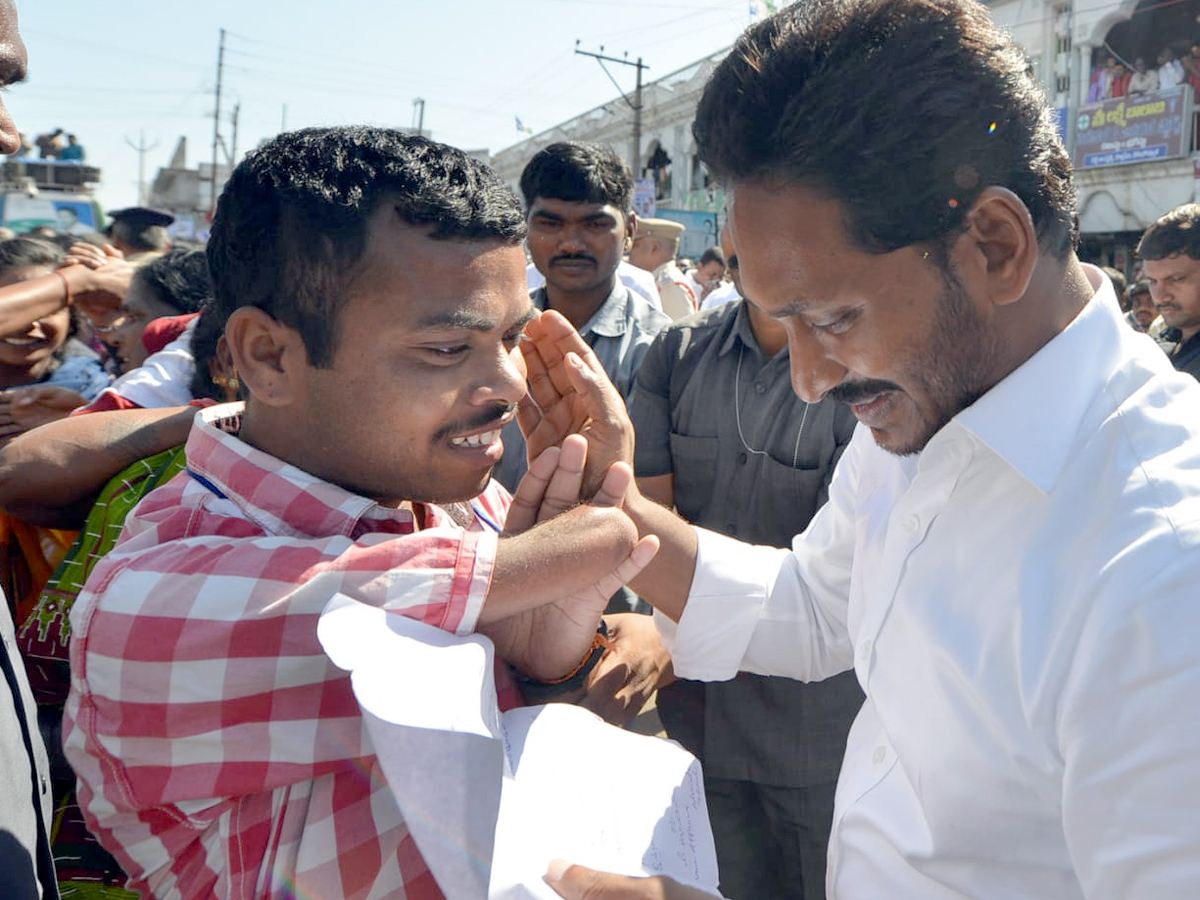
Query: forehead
{"type": "Point", "coordinates": [572, 210]}
{"type": "Point", "coordinates": [791, 245]}
{"type": "Point", "coordinates": [1180, 263]}
{"type": "Point", "coordinates": [421, 279]}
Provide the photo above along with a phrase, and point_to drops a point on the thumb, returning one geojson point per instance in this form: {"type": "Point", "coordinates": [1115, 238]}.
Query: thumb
{"type": "Point", "coordinates": [599, 394]}
{"type": "Point", "coordinates": [576, 882]}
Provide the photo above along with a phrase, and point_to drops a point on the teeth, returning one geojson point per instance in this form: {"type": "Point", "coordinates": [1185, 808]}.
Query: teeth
{"type": "Point", "coordinates": [477, 440]}
{"type": "Point", "coordinates": [22, 342]}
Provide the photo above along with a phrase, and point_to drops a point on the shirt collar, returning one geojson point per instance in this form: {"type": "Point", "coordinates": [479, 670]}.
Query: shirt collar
{"type": "Point", "coordinates": [610, 320]}
{"type": "Point", "coordinates": [1031, 418]}
{"type": "Point", "coordinates": [279, 497]}
{"type": "Point", "coordinates": [740, 334]}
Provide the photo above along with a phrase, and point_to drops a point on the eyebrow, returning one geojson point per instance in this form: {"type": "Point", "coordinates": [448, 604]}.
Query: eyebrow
{"type": "Point", "coordinates": [793, 308]}
{"type": "Point", "coordinates": [470, 321]}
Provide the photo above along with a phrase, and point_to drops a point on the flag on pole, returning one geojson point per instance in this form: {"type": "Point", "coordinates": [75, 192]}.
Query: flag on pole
{"type": "Point", "coordinates": [521, 126]}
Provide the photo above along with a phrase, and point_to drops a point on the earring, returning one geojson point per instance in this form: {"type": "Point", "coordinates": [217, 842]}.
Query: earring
{"type": "Point", "coordinates": [230, 382]}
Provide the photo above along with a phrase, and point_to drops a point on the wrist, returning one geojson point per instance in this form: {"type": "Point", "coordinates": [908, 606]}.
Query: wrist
{"type": "Point", "coordinates": [536, 691]}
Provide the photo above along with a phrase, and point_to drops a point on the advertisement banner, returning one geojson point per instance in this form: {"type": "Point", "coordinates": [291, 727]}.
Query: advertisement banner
{"type": "Point", "coordinates": [1134, 129]}
{"type": "Point", "coordinates": [644, 203]}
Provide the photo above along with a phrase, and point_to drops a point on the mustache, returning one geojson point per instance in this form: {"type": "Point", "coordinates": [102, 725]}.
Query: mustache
{"type": "Point", "coordinates": [572, 257]}
{"type": "Point", "coordinates": [494, 416]}
{"type": "Point", "coordinates": [852, 392]}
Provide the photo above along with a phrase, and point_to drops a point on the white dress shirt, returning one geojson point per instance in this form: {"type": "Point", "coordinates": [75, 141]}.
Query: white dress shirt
{"type": "Point", "coordinates": [1021, 604]}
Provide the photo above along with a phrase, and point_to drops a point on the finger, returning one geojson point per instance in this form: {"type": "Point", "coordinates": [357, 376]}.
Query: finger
{"type": "Point", "coordinates": [639, 557]}
{"type": "Point", "coordinates": [562, 493]}
{"type": "Point", "coordinates": [599, 395]}
{"type": "Point", "coordinates": [110, 250]}
{"type": "Point", "coordinates": [579, 883]}
{"type": "Point", "coordinates": [530, 490]}
{"type": "Point", "coordinates": [615, 485]}
{"type": "Point", "coordinates": [605, 689]}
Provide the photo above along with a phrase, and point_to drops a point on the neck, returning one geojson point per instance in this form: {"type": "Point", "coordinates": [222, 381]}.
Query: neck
{"type": "Point", "coordinates": [1186, 334]}
{"type": "Point", "coordinates": [579, 307]}
{"type": "Point", "coordinates": [1057, 293]}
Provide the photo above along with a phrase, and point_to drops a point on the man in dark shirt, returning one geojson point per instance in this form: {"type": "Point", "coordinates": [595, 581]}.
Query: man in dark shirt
{"type": "Point", "coordinates": [26, 867]}
{"type": "Point", "coordinates": [722, 437]}
{"type": "Point", "coordinates": [1170, 251]}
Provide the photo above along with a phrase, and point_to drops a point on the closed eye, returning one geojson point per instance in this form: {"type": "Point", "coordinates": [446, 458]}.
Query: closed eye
{"type": "Point", "coordinates": [839, 325]}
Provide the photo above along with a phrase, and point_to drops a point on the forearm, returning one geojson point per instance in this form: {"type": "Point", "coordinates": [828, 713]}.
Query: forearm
{"type": "Point", "coordinates": [28, 301]}
{"type": "Point", "coordinates": [556, 559]}
{"type": "Point", "coordinates": [50, 475]}
{"type": "Point", "coordinates": [664, 583]}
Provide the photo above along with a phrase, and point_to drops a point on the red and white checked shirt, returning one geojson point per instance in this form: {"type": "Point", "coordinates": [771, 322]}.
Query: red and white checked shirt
{"type": "Point", "coordinates": [219, 752]}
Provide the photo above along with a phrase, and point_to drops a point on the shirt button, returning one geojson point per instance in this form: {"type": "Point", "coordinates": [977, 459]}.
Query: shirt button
{"type": "Point", "coordinates": [879, 755]}
{"type": "Point", "coordinates": [742, 459]}
{"type": "Point", "coordinates": [759, 387]}
{"type": "Point", "coordinates": [912, 523]}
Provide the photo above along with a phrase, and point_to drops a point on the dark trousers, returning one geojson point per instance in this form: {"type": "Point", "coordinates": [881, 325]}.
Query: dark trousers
{"type": "Point", "coordinates": [771, 841]}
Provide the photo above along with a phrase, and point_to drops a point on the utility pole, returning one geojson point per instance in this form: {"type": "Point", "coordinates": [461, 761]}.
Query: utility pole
{"type": "Point", "coordinates": [635, 161]}
{"type": "Point", "coordinates": [212, 198]}
{"type": "Point", "coordinates": [141, 147]}
{"type": "Point", "coordinates": [419, 113]}
{"type": "Point", "coordinates": [237, 107]}
{"type": "Point", "coordinates": [283, 119]}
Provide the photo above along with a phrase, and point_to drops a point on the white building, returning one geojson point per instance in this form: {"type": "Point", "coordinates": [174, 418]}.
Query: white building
{"type": "Point", "coordinates": [1065, 39]}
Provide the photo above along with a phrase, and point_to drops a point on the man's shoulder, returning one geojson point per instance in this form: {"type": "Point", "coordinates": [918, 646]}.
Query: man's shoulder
{"type": "Point", "coordinates": [688, 340]}
{"type": "Point", "coordinates": [639, 313]}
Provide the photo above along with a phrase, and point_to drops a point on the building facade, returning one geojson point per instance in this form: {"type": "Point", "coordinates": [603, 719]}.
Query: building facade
{"type": "Point", "coordinates": [1134, 155]}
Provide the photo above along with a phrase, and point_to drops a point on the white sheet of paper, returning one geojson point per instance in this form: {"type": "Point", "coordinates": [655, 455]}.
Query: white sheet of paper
{"type": "Point", "coordinates": [495, 796]}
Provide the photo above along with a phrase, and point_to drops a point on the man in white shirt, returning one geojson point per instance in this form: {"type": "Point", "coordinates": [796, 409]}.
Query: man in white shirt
{"type": "Point", "coordinates": [1010, 554]}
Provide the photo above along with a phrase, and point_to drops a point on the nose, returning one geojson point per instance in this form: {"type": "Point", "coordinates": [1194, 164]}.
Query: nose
{"type": "Point", "coordinates": [505, 380]}
{"type": "Point", "coordinates": [572, 238]}
{"type": "Point", "coordinates": [814, 371]}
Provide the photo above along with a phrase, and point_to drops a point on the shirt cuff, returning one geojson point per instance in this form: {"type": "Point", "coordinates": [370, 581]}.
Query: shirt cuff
{"type": "Point", "coordinates": [730, 585]}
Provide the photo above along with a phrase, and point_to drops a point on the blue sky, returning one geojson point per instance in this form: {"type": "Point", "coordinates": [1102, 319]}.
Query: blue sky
{"type": "Point", "coordinates": [117, 73]}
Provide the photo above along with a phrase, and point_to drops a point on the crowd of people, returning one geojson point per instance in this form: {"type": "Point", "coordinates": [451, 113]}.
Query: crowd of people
{"type": "Point", "coordinates": [912, 491]}
{"type": "Point", "coordinates": [1112, 78]}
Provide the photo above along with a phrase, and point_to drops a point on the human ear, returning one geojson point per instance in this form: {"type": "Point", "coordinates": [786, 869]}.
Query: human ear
{"type": "Point", "coordinates": [1001, 229]}
{"type": "Point", "coordinates": [266, 354]}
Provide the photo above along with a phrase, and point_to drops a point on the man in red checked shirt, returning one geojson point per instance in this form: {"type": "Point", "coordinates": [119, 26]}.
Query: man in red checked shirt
{"type": "Point", "coordinates": [374, 289]}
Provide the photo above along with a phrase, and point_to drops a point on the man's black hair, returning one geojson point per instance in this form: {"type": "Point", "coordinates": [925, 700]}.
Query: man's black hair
{"type": "Point", "coordinates": [28, 252]}
{"type": "Point", "coordinates": [578, 172]}
{"type": "Point", "coordinates": [1174, 234]}
{"type": "Point", "coordinates": [903, 111]}
{"type": "Point", "coordinates": [291, 223]}
{"type": "Point", "coordinates": [179, 279]}
{"type": "Point", "coordinates": [712, 254]}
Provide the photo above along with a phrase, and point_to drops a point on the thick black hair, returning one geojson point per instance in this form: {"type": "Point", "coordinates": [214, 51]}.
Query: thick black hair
{"type": "Point", "coordinates": [712, 254]}
{"type": "Point", "coordinates": [903, 111]}
{"type": "Point", "coordinates": [1174, 234]}
{"type": "Point", "coordinates": [291, 223]}
{"type": "Point", "coordinates": [28, 252]}
{"type": "Point", "coordinates": [578, 172]}
{"type": "Point", "coordinates": [179, 279]}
